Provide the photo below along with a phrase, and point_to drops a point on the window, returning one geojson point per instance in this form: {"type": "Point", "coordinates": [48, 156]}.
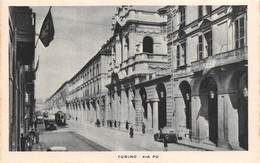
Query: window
{"type": "Point", "coordinates": [200, 11]}
{"type": "Point", "coordinates": [208, 37]}
{"type": "Point", "coordinates": [178, 55]}
{"type": "Point", "coordinates": [148, 44]}
{"type": "Point", "coordinates": [209, 9]}
{"type": "Point", "coordinates": [240, 32]}
{"type": "Point", "coordinates": [182, 14]}
{"type": "Point", "coordinates": [181, 54]}
{"type": "Point", "coordinates": [207, 44]}
{"type": "Point", "coordinates": [97, 70]}
{"type": "Point", "coordinates": [200, 48]}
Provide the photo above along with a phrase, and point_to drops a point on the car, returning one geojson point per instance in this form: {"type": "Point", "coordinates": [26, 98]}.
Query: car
{"type": "Point", "coordinates": [57, 149]}
{"type": "Point", "coordinates": [39, 119]}
{"type": "Point", "coordinates": [170, 134]}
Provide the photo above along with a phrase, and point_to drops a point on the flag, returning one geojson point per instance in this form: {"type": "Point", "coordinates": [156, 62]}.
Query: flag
{"type": "Point", "coordinates": [47, 30]}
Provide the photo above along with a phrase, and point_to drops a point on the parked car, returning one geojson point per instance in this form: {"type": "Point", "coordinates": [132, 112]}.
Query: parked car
{"type": "Point", "coordinates": [50, 123]}
{"type": "Point", "coordinates": [39, 119]}
{"type": "Point", "coordinates": [57, 149]}
{"type": "Point", "coordinates": [170, 134]}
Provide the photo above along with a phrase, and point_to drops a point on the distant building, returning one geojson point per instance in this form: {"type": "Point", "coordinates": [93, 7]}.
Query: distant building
{"type": "Point", "coordinates": [21, 73]}
{"type": "Point", "coordinates": [87, 89]}
{"type": "Point", "coordinates": [207, 46]}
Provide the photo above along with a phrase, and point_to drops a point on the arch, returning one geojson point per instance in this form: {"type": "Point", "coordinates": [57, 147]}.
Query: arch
{"type": "Point", "coordinates": [148, 44]}
{"type": "Point", "coordinates": [209, 107]}
{"type": "Point", "coordinates": [185, 89]}
{"type": "Point", "coordinates": [143, 96]}
{"type": "Point", "coordinates": [238, 94]}
{"type": "Point", "coordinates": [162, 114]}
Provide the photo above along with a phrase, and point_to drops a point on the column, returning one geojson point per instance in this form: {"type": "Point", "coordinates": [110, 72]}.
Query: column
{"type": "Point", "coordinates": [82, 112]}
{"type": "Point", "coordinates": [149, 116]}
{"type": "Point", "coordinates": [155, 115]}
{"type": "Point", "coordinates": [88, 111]}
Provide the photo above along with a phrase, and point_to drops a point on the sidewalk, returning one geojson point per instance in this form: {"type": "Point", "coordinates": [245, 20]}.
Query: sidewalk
{"type": "Point", "coordinates": [119, 140]}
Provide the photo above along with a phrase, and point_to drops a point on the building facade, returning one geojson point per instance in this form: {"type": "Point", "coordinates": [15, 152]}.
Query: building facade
{"type": "Point", "coordinates": [139, 55]}
{"type": "Point", "coordinates": [87, 90]}
{"type": "Point", "coordinates": [21, 73]}
{"type": "Point", "coordinates": [207, 46]}
{"type": "Point", "coordinates": [58, 101]}
{"type": "Point", "coordinates": [181, 67]}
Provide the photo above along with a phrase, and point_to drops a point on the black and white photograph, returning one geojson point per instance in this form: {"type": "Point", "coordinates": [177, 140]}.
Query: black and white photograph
{"type": "Point", "coordinates": [128, 78]}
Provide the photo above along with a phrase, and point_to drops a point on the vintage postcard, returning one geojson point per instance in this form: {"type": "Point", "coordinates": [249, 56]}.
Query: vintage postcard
{"type": "Point", "coordinates": [125, 81]}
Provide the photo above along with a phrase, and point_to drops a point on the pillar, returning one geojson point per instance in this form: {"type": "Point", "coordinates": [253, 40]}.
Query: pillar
{"type": "Point", "coordinates": [155, 115]}
{"type": "Point", "coordinates": [149, 116]}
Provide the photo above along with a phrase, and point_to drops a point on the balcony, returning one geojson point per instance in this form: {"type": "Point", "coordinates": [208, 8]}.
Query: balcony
{"type": "Point", "coordinates": [144, 57]}
{"type": "Point", "coordinates": [221, 59]}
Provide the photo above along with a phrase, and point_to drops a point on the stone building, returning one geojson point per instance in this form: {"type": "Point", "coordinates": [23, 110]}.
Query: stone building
{"type": "Point", "coordinates": [87, 91]}
{"type": "Point", "coordinates": [139, 56]}
{"type": "Point", "coordinates": [21, 73]}
{"type": "Point", "coordinates": [58, 101]}
{"type": "Point", "coordinates": [207, 48]}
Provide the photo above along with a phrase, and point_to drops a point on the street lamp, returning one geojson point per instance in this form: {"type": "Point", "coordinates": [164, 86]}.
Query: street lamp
{"type": "Point", "coordinates": [212, 94]}
{"type": "Point", "coordinates": [162, 94]}
{"type": "Point", "coordinates": [187, 97]}
{"type": "Point", "coordinates": [245, 92]}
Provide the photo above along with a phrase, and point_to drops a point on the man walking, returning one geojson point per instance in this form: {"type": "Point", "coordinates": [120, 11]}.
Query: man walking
{"type": "Point", "coordinates": [143, 128]}
{"type": "Point", "coordinates": [165, 143]}
{"type": "Point", "coordinates": [131, 132]}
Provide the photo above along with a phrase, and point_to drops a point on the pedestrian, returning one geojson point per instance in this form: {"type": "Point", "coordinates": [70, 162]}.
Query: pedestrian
{"type": "Point", "coordinates": [29, 141]}
{"type": "Point", "coordinates": [37, 136]}
{"type": "Point", "coordinates": [110, 123]}
{"type": "Point", "coordinates": [23, 142]}
{"type": "Point", "coordinates": [131, 132]}
{"type": "Point", "coordinates": [115, 123]}
{"type": "Point", "coordinates": [32, 135]}
{"type": "Point", "coordinates": [35, 122]}
{"type": "Point", "coordinates": [143, 128]}
{"type": "Point", "coordinates": [126, 125]}
{"type": "Point", "coordinates": [119, 123]}
{"type": "Point", "coordinates": [165, 143]}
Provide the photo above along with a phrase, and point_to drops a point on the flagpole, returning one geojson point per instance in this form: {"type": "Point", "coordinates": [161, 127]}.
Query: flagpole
{"type": "Point", "coordinates": [37, 41]}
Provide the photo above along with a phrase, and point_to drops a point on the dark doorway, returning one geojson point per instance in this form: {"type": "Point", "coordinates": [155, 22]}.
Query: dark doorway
{"type": "Point", "coordinates": [213, 116]}
{"type": "Point", "coordinates": [239, 101]}
{"type": "Point", "coordinates": [161, 91]}
{"type": "Point", "coordinates": [186, 94]}
{"type": "Point", "coordinates": [243, 112]}
{"type": "Point", "coordinates": [208, 92]}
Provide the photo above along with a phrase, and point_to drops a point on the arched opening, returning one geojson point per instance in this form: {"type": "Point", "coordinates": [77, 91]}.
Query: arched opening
{"type": "Point", "coordinates": [239, 101]}
{"type": "Point", "coordinates": [144, 103]}
{"type": "Point", "coordinates": [186, 94]}
{"type": "Point", "coordinates": [209, 108]}
{"type": "Point", "coordinates": [161, 91]}
{"type": "Point", "coordinates": [148, 44]}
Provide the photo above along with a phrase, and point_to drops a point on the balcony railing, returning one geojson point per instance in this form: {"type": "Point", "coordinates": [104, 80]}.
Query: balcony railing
{"type": "Point", "coordinates": [221, 59]}
{"type": "Point", "coordinates": [144, 57]}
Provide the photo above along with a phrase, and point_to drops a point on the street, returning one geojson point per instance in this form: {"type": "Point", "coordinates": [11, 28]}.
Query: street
{"type": "Point", "coordinates": [63, 136]}
{"type": "Point", "coordinates": [86, 137]}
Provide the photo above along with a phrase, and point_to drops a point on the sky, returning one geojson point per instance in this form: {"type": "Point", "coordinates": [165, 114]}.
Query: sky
{"type": "Point", "coordinates": [79, 34]}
